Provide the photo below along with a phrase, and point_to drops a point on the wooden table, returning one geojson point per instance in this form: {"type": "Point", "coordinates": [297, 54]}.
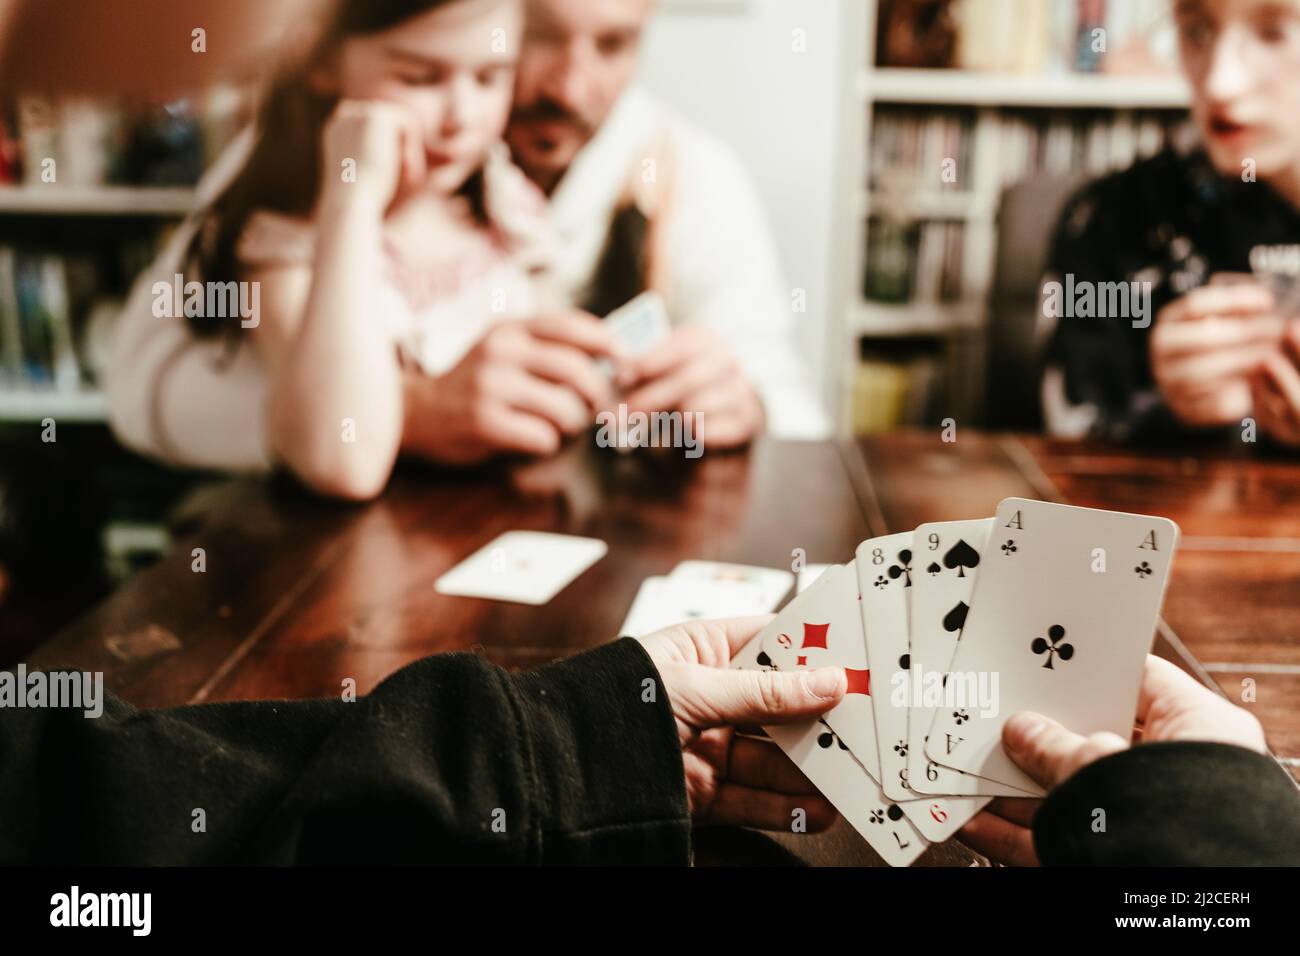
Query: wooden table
{"type": "Point", "coordinates": [298, 595]}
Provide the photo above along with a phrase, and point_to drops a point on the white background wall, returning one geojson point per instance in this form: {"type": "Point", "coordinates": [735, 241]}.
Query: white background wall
{"type": "Point", "coordinates": [729, 66]}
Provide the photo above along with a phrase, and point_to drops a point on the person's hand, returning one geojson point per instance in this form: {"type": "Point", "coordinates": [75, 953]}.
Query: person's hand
{"type": "Point", "coordinates": [524, 387]}
{"type": "Point", "coordinates": [1275, 390]}
{"type": "Point", "coordinates": [693, 370]}
{"type": "Point", "coordinates": [1172, 705]}
{"type": "Point", "coordinates": [1206, 345]}
{"type": "Point", "coordinates": [731, 779]}
{"type": "Point", "coordinates": [385, 143]}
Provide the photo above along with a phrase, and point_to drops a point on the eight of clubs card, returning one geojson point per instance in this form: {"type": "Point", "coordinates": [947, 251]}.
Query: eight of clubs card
{"type": "Point", "coordinates": [885, 620]}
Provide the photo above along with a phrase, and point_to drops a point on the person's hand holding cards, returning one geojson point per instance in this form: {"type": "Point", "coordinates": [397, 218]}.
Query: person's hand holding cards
{"type": "Point", "coordinates": [1172, 706]}
{"type": "Point", "coordinates": [732, 779]}
{"type": "Point", "coordinates": [524, 387]}
{"type": "Point", "coordinates": [946, 631]}
{"type": "Point", "coordinates": [687, 369]}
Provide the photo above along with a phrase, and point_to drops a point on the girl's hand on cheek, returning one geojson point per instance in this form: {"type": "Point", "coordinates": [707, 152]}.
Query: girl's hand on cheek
{"type": "Point", "coordinates": [371, 151]}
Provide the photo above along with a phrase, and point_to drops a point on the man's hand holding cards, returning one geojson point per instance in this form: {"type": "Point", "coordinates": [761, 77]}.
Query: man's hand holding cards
{"type": "Point", "coordinates": [947, 631]}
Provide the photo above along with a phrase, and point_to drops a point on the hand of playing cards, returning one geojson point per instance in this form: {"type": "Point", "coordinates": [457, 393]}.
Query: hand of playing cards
{"type": "Point", "coordinates": [948, 630]}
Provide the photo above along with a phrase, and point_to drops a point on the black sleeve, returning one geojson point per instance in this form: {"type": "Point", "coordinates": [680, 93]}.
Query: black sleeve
{"type": "Point", "coordinates": [450, 759]}
{"type": "Point", "coordinates": [1103, 360]}
{"type": "Point", "coordinates": [1173, 804]}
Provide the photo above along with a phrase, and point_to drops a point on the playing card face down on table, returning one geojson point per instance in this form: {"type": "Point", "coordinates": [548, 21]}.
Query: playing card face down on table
{"type": "Point", "coordinates": [528, 567]}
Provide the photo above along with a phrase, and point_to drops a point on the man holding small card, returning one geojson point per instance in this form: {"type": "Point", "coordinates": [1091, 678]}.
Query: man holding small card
{"type": "Point", "coordinates": [515, 367]}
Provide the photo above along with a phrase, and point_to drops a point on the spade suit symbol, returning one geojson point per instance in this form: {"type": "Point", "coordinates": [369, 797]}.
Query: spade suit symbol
{"type": "Point", "coordinates": [955, 619]}
{"type": "Point", "coordinates": [961, 556]}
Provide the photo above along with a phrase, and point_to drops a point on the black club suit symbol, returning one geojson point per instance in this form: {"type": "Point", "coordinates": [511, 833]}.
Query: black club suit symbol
{"type": "Point", "coordinates": [827, 739]}
{"type": "Point", "coordinates": [894, 813]}
{"type": "Point", "coordinates": [1143, 570]}
{"type": "Point", "coordinates": [1053, 645]}
{"type": "Point", "coordinates": [1009, 547]}
{"type": "Point", "coordinates": [900, 748]}
{"type": "Point", "coordinates": [960, 716]}
{"type": "Point", "coordinates": [881, 581]}
{"type": "Point", "coordinates": [903, 569]}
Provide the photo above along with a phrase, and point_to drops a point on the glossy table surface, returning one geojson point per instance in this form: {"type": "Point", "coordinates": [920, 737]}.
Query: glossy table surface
{"type": "Point", "coordinates": [298, 595]}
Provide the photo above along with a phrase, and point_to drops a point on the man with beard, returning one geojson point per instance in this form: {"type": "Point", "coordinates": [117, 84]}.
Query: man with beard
{"type": "Point", "coordinates": [640, 199]}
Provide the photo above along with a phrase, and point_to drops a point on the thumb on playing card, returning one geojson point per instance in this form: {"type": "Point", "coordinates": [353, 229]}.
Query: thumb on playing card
{"type": "Point", "coordinates": [735, 697]}
{"type": "Point", "coordinates": [1049, 752]}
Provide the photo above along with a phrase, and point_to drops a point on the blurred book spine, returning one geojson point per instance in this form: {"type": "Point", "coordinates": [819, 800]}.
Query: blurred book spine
{"type": "Point", "coordinates": [1028, 36]}
{"type": "Point", "coordinates": [913, 261]}
{"type": "Point", "coordinates": [44, 303]}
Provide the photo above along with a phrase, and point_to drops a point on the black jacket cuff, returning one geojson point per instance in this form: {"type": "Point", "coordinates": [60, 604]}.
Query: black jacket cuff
{"type": "Point", "coordinates": [1173, 804]}
{"type": "Point", "coordinates": [605, 759]}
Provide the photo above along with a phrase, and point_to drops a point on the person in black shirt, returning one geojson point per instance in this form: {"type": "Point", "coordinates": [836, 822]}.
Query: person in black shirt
{"type": "Point", "coordinates": [1212, 230]}
{"type": "Point", "coordinates": [607, 757]}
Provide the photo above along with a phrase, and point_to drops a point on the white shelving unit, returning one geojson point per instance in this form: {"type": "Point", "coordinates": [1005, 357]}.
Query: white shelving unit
{"type": "Point", "coordinates": [987, 97]}
{"type": "Point", "coordinates": [32, 405]}
{"type": "Point", "coordinates": [55, 200]}
{"type": "Point", "coordinates": [1057, 91]}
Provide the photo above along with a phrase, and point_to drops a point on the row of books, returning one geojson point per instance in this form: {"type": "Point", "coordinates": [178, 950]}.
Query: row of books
{"type": "Point", "coordinates": [927, 151]}
{"type": "Point", "coordinates": [1029, 36]}
{"type": "Point", "coordinates": [914, 261]}
{"type": "Point", "coordinates": [44, 300]}
{"type": "Point", "coordinates": [81, 142]}
{"type": "Point", "coordinates": [1080, 142]}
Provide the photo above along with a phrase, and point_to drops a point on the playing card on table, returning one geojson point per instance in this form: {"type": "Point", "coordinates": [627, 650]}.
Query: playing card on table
{"type": "Point", "coordinates": [1063, 613]}
{"type": "Point", "coordinates": [833, 770]}
{"type": "Point", "coordinates": [663, 601]}
{"type": "Point", "coordinates": [772, 584]}
{"type": "Point", "coordinates": [822, 627]}
{"type": "Point", "coordinates": [885, 613]}
{"type": "Point", "coordinates": [945, 566]}
{"type": "Point", "coordinates": [529, 567]}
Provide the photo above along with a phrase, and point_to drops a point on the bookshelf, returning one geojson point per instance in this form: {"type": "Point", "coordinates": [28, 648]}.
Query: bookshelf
{"type": "Point", "coordinates": [67, 227]}
{"type": "Point", "coordinates": [911, 219]}
{"type": "Point", "coordinates": [120, 177]}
